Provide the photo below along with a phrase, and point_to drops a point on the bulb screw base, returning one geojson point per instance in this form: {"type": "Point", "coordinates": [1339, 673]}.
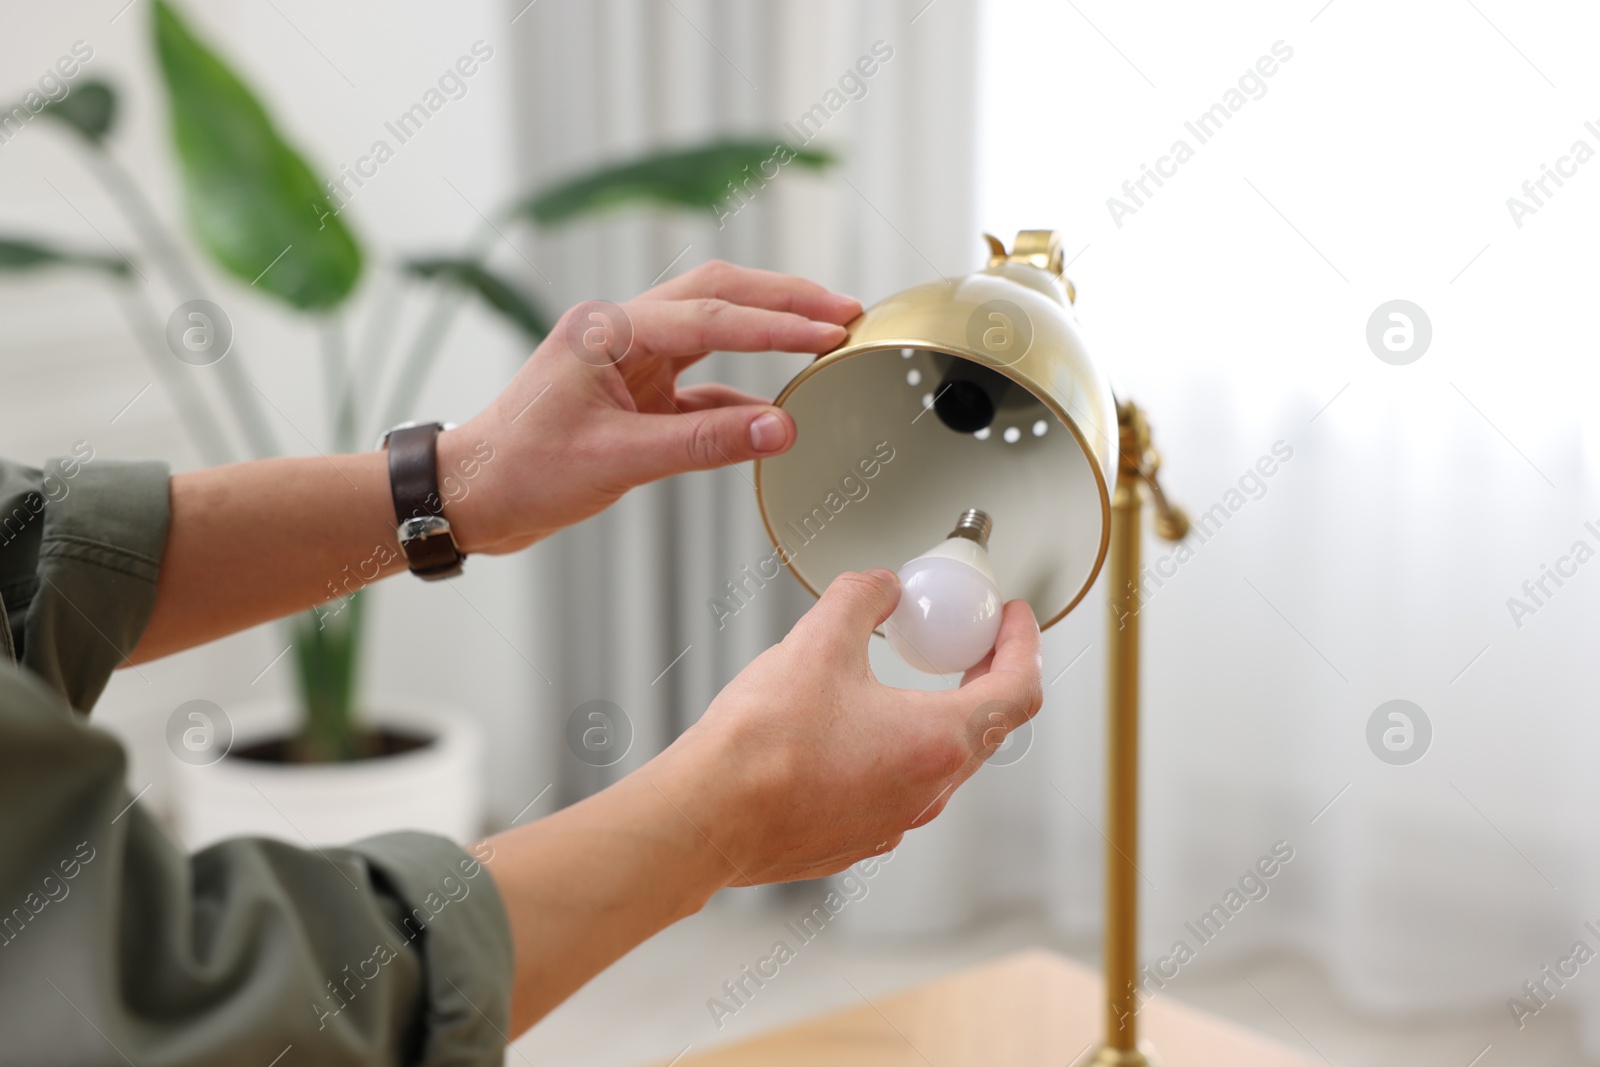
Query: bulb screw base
{"type": "Point", "coordinates": [974, 525]}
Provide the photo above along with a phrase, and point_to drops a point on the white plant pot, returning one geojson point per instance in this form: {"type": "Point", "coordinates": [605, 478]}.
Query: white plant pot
{"type": "Point", "coordinates": [436, 788]}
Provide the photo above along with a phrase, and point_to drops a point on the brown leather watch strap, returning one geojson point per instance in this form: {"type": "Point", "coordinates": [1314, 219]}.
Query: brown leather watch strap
{"type": "Point", "coordinates": [429, 544]}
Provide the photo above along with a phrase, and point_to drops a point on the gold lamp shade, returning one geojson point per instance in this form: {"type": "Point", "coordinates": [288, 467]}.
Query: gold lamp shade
{"type": "Point", "coordinates": [975, 392]}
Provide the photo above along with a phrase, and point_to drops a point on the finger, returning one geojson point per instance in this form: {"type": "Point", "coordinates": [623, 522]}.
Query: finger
{"type": "Point", "coordinates": [672, 329]}
{"type": "Point", "coordinates": [659, 446]}
{"type": "Point", "coordinates": [985, 665]}
{"type": "Point", "coordinates": [1007, 688]}
{"type": "Point", "coordinates": [979, 669]}
{"type": "Point", "coordinates": [759, 288]}
{"type": "Point", "coordinates": [850, 609]}
{"type": "Point", "coordinates": [1016, 646]}
{"type": "Point", "coordinates": [715, 395]}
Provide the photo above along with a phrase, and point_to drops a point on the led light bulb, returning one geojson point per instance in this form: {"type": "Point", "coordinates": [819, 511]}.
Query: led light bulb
{"type": "Point", "coordinates": [949, 611]}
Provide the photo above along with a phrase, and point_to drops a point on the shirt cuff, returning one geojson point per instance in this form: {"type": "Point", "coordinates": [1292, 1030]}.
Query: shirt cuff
{"type": "Point", "coordinates": [452, 915]}
{"type": "Point", "coordinates": [99, 557]}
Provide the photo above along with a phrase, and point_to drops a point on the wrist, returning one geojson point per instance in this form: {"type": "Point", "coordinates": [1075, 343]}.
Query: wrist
{"type": "Point", "coordinates": [702, 780]}
{"type": "Point", "coordinates": [461, 460]}
{"type": "Point", "coordinates": [694, 858]}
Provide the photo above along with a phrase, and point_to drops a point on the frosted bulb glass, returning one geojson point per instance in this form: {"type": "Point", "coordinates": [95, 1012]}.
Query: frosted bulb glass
{"type": "Point", "coordinates": [949, 611]}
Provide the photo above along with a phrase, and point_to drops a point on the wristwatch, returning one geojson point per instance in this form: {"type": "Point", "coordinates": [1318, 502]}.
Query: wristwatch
{"type": "Point", "coordinates": [423, 531]}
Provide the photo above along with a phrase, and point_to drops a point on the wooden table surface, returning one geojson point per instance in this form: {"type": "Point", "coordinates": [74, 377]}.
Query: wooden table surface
{"type": "Point", "coordinates": [1032, 1008]}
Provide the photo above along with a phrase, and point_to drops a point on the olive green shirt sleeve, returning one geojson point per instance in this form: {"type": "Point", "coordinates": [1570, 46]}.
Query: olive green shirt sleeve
{"type": "Point", "coordinates": [114, 945]}
{"type": "Point", "coordinates": [80, 550]}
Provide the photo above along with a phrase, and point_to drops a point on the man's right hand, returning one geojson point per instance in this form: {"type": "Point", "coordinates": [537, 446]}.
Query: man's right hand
{"type": "Point", "coordinates": [806, 763]}
{"type": "Point", "coordinates": [803, 765]}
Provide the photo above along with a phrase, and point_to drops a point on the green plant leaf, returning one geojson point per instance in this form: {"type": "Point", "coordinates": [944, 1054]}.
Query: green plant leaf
{"type": "Point", "coordinates": [692, 178]}
{"type": "Point", "coordinates": [90, 109]}
{"type": "Point", "coordinates": [327, 647]}
{"type": "Point", "coordinates": [19, 255]}
{"type": "Point", "coordinates": [253, 203]}
{"type": "Point", "coordinates": [495, 291]}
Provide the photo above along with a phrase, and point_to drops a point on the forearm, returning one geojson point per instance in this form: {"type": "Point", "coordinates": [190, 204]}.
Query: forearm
{"type": "Point", "coordinates": [257, 541]}
{"type": "Point", "coordinates": [585, 885]}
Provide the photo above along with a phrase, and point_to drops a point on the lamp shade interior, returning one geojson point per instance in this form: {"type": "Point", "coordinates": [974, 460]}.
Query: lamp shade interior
{"type": "Point", "coordinates": [887, 460]}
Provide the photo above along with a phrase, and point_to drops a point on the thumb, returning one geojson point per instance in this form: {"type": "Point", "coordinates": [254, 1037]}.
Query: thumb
{"type": "Point", "coordinates": [853, 605]}
{"type": "Point", "coordinates": [663, 445]}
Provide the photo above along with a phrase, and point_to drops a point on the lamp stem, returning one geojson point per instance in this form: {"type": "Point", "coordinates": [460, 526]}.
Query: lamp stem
{"type": "Point", "coordinates": [1137, 466]}
{"type": "Point", "coordinates": [1122, 770]}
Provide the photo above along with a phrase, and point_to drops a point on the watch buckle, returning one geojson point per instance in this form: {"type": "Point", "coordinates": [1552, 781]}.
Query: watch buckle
{"type": "Point", "coordinates": [422, 527]}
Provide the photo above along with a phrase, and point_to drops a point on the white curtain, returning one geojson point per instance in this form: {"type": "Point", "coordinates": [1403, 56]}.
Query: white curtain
{"type": "Point", "coordinates": [1404, 506]}
{"type": "Point", "coordinates": [1377, 563]}
{"type": "Point", "coordinates": [627, 594]}
{"type": "Point", "coordinates": [1405, 503]}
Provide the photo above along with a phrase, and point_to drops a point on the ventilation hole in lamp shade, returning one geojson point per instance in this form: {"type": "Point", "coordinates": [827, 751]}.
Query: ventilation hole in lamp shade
{"type": "Point", "coordinates": [1040, 427]}
{"type": "Point", "coordinates": [913, 377]}
{"type": "Point", "coordinates": [983, 434]}
{"type": "Point", "coordinates": [1012, 435]}
{"type": "Point", "coordinates": [927, 401]}
{"type": "Point", "coordinates": [907, 353]}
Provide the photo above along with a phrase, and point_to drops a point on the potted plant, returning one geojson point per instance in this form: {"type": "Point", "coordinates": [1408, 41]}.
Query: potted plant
{"type": "Point", "coordinates": [336, 766]}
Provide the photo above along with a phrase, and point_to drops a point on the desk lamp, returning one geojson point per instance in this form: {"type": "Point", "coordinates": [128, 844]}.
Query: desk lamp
{"type": "Point", "coordinates": [977, 394]}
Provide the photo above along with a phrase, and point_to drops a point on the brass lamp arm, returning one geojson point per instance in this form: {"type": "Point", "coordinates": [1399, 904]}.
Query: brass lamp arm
{"type": "Point", "coordinates": [1141, 462]}
{"type": "Point", "coordinates": [1172, 522]}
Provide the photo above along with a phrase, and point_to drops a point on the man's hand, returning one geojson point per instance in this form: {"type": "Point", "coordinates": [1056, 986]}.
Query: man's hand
{"type": "Point", "coordinates": [597, 410]}
{"type": "Point", "coordinates": [806, 763]}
